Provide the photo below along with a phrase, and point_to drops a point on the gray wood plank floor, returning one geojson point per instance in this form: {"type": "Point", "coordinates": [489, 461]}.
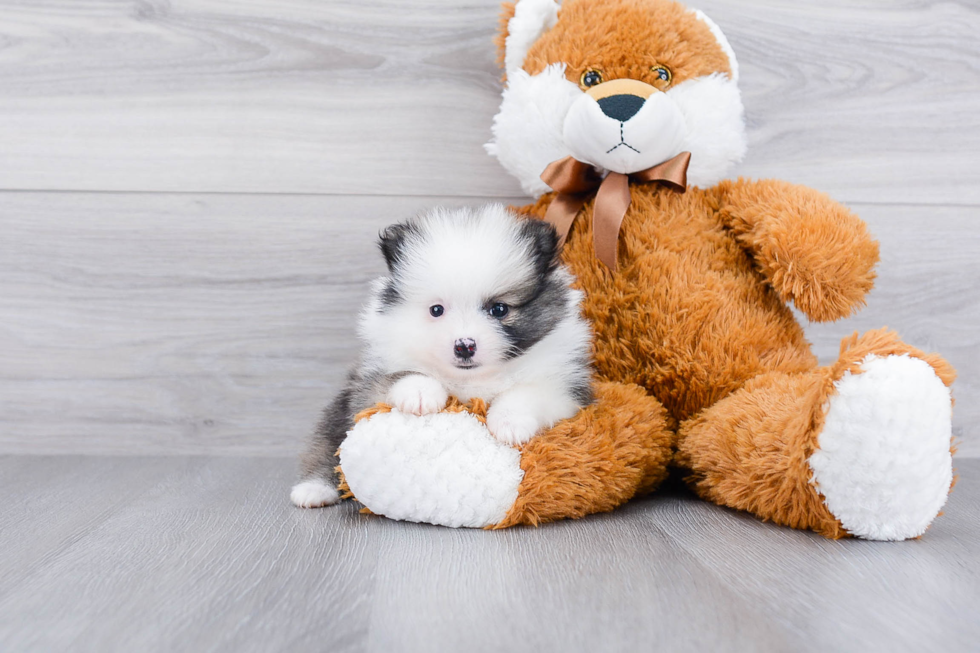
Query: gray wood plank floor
{"type": "Point", "coordinates": [189, 195]}
{"type": "Point", "coordinates": [205, 553]}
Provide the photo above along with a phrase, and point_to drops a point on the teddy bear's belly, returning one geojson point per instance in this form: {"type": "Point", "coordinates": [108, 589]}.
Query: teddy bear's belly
{"type": "Point", "coordinates": [687, 316]}
{"type": "Point", "coordinates": [691, 337]}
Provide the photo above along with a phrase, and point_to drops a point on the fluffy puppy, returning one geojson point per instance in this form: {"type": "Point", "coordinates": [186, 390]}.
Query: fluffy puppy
{"type": "Point", "coordinates": [475, 304]}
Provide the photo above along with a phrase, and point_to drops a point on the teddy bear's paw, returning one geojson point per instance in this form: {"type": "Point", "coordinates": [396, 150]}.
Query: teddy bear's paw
{"type": "Point", "coordinates": [313, 493]}
{"type": "Point", "coordinates": [418, 395]}
{"type": "Point", "coordinates": [883, 464]}
{"type": "Point", "coordinates": [511, 426]}
{"type": "Point", "coordinates": [442, 469]}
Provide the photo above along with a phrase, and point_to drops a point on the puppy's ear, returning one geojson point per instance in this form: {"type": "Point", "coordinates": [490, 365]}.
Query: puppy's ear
{"type": "Point", "coordinates": [392, 241]}
{"type": "Point", "coordinates": [544, 244]}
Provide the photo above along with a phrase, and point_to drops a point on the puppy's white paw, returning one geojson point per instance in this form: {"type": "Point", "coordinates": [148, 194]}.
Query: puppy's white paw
{"type": "Point", "coordinates": [511, 426]}
{"type": "Point", "coordinates": [313, 494]}
{"type": "Point", "coordinates": [418, 395]}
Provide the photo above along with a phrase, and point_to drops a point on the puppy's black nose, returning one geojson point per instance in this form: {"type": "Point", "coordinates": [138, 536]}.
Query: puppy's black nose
{"type": "Point", "coordinates": [465, 348]}
{"type": "Point", "coordinates": [621, 107]}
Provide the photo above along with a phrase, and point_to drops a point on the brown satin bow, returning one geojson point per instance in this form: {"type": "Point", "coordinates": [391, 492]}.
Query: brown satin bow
{"type": "Point", "coordinates": [574, 181]}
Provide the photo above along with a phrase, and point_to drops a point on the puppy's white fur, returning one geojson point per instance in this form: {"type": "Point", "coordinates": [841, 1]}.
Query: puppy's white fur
{"type": "Point", "coordinates": [531, 364]}
{"type": "Point", "coordinates": [465, 263]}
{"type": "Point", "coordinates": [418, 394]}
{"type": "Point", "coordinates": [313, 494]}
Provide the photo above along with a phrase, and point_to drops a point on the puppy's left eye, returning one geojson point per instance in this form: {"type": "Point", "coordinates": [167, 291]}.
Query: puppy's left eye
{"type": "Point", "coordinates": [499, 310]}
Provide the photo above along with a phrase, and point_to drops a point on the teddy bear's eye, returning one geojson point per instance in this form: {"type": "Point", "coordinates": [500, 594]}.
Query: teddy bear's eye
{"type": "Point", "coordinates": [590, 78]}
{"type": "Point", "coordinates": [662, 73]}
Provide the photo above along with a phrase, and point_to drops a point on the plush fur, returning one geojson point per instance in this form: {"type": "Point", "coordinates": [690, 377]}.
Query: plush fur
{"type": "Point", "coordinates": [453, 473]}
{"type": "Point", "coordinates": [525, 25]}
{"type": "Point", "coordinates": [896, 409]}
{"type": "Point", "coordinates": [546, 115]}
{"type": "Point", "coordinates": [696, 350]}
{"type": "Point", "coordinates": [754, 449]}
{"type": "Point", "coordinates": [441, 468]}
{"type": "Point", "coordinates": [697, 312]}
{"type": "Point", "coordinates": [598, 460]}
{"type": "Point", "coordinates": [475, 305]}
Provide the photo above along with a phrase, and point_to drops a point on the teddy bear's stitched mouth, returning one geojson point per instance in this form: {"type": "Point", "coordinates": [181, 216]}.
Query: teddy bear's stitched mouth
{"type": "Point", "coordinates": [622, 142]}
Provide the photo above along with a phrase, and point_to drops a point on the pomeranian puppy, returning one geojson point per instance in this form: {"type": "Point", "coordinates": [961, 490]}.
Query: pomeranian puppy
{"type": "Point", "coordinates": [475, 304]}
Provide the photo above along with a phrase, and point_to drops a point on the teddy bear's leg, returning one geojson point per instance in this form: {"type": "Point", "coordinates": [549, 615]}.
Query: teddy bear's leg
{"type": "Point", "coordinates": [446, 468]}
{"type": "Point", "coordinates": [613, 450]}
{"type": "Point", "coordinates": [861, 447]}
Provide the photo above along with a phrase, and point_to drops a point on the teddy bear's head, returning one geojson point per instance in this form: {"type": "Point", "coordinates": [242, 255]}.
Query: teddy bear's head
{"type": "Point", "coordinates": [622, 85]}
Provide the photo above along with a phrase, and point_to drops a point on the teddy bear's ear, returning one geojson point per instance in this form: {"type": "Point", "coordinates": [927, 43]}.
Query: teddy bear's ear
{"type": "Point", "coordinates": [521, 24]}
{"type": "Point", "coordinates": [722, 41]}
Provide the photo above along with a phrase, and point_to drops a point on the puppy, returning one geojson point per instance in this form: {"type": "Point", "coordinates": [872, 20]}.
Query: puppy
{"type": "Point", "coordinates": [475, 304]}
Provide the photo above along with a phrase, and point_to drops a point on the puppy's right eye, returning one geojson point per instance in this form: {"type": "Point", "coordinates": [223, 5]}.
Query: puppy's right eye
{"type": "Point", "coordinates": [499, 310]}
{"type": "Point", "coordinates": [436, 310]}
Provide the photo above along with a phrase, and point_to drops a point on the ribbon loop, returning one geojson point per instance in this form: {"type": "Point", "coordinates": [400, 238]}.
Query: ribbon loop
{"type": "Point", "coordinates": [575, 180]}
{"type": "Point", "coordinates": [570, 176]}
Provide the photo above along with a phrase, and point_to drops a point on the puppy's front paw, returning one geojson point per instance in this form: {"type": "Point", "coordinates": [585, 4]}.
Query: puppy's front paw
{"type": "Point", "coordinates": [418, 395]}
{"type": "Point", "coordinates": [313, 493]}
{"type": "Point", "coordinates": [511, 426]}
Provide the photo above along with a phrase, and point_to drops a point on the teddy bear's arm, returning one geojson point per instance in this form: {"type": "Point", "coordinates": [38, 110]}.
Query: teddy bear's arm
{"type": "Point", "coordinates": [810, 248]}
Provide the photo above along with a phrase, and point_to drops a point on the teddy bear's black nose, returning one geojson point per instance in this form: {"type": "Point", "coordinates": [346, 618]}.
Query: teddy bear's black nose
{"type": "Point", "coordinates": [465, 348]}
{"type": "Point", "coordinates": [621, 107]}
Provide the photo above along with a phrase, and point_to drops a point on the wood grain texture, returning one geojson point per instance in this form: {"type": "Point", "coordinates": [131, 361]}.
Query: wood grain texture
{"type": "Point", "coordinates": [180, 324]}
{"type": "Point", "coordinates": [870, 101]}
{"type": "Point", "coordinates": [199, 554]}
{"type": "Point", "coordinates": [212, 311]}
{"type": "Point", "coordinates": [148, 323]}
{"type": "Point", "coordinates": [206, 554]}
{"type": "Point", "coordinates": [818, 588]}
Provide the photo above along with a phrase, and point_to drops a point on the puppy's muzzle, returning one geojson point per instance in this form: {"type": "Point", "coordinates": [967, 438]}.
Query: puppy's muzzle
{"type": "Point", "coordinates": [465, 348]}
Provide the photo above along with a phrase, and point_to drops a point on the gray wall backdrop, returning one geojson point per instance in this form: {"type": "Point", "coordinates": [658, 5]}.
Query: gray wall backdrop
{"type": "Point", "coordinates": [190, 191]}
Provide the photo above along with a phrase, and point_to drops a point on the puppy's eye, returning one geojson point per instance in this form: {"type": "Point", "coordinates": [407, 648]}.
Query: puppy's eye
{"type": "Point", "coordinates": [436, 310]}
{"type": "Point", "coordinates": [590, 78]}
{"type": "Point", "coordinates": [662, 73]}
{"type": "Point", "coordinates": [499, 310]}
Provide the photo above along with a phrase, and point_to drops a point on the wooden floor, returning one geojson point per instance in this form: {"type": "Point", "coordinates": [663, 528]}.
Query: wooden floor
{"type": "Point", "coordinates": [189, 197]}
{"type": "Point", "coordinates": [205, 553]}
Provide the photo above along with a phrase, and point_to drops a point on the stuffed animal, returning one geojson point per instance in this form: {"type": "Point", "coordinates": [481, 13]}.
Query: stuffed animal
{"type": "Point", "coordinates": [622, 117]}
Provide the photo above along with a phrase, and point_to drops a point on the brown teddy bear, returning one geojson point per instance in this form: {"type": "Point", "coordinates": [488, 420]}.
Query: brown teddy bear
{"type": "Point", "coordinates": [622, 117]}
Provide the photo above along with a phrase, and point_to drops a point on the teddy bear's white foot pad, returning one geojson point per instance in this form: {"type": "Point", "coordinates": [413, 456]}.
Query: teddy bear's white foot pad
{"type": "Point", "coordinates": [443, 468]}
{"type": "Point", "coordinates": [884, 465]}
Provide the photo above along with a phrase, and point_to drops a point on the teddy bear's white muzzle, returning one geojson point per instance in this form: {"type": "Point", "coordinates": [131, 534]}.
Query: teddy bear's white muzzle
{"type": "Point", "coordinates": [624, 133]}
